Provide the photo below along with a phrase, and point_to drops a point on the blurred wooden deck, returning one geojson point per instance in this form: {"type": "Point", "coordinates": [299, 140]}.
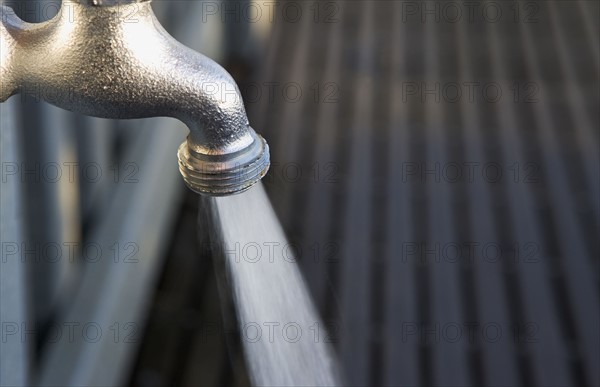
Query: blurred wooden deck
{"type": "Point", "coordinates": [401, 254]}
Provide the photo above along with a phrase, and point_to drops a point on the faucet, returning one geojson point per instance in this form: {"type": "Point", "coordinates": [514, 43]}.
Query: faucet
{"type": "Point", "coordinates": [113, 59]}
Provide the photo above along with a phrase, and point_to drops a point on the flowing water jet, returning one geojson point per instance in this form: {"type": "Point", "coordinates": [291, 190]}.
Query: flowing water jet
{"type": "Point", "coordinates": [284, 340]}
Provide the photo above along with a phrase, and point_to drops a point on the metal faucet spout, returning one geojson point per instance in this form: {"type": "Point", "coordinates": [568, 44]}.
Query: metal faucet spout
{"type": "Point", "coordinates": [113, 59]}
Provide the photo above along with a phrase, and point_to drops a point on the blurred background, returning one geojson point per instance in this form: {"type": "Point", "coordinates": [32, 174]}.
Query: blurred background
{"type": "Point", "coordinates": [435, 166]}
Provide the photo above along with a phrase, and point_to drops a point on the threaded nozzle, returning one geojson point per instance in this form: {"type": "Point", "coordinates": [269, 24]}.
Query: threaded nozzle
{"type": "Point", "coordinates": [223, 175]}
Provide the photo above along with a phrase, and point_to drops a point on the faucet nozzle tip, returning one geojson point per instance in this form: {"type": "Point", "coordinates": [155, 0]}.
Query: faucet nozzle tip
{"type": "Point", "coordinates": [227, 174]}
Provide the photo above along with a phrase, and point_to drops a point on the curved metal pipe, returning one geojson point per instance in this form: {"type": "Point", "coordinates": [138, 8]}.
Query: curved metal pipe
{"type": "Point", "coordinates": [113, 59]}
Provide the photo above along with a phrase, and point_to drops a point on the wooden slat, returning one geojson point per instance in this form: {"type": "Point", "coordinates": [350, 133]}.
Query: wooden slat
{"type": "Point", "coordinates": [356, 249]}
{"type": "Point", "coordinates": [449, 358]}
{"type": "Point", "coordinates": [287, 147]}
{"type": "Point", "coordinates": [401, 360]}
{"type": "Point", "coordinates": [261, 110]}
{"type": "Point", "coordinates": [319, 220]}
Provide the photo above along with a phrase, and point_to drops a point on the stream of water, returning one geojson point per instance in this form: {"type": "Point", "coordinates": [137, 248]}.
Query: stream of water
{"type": "Point", "coordinates": [285, 342]}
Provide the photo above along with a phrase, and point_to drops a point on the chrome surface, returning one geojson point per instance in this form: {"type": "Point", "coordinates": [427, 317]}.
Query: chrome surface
{"type": "Point", "coordinates": [113, 59]}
